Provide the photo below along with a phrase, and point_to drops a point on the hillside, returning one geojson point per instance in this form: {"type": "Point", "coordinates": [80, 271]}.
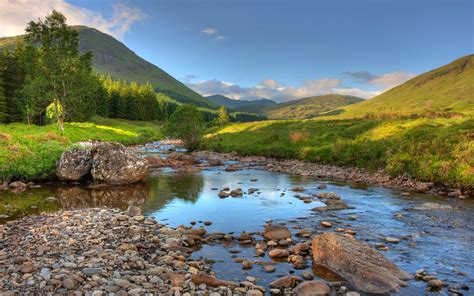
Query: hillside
{"type": "Point", "coordinates": [309, 107]}
{"type": "Point", "coordinates": [446, 89]}
{"type": "Point", "coordinates": [110, 56]}
{"type": "Point", "coordinates": [238, 104]}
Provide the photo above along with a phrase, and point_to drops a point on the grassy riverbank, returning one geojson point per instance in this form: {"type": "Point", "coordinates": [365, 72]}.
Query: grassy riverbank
{"type": "Point", "coordinates": [439, 150]}
{"type": "Point", "coordinates": [30, 151]}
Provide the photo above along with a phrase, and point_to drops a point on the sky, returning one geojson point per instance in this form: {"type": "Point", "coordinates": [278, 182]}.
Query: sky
{"type": "Point", "coordinates": [279, 49]}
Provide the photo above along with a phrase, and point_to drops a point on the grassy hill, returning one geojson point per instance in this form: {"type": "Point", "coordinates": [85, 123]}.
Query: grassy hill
{"type": "Point", "coordinates": [447, 89]}
{"type": "Point", "coordinates": [110, 56]}
{"type": "Point", "coordinates": [309, 107]}
{"type": "Point", "coordinates": [439, 150]}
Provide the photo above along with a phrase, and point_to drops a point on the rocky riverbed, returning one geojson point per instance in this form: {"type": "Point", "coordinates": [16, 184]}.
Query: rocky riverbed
{"type": "Point", "coordinates": [330, 172]}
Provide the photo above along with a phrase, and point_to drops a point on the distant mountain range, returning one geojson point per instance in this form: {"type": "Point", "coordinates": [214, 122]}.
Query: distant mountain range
{"type": "Point", "coordinates": [302, 108]}
{"type": "Point", "coordinates": [238, 104]}
{"type": "Point", "coordinates": [112, 57]}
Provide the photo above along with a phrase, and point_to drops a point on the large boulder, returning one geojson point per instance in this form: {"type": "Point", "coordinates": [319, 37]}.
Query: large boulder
{"type": "Point", "coordinates": [74, 165]}
{"type": "Point", "coordinates": [113, 164]}
{"type": "Point", "coordinates": [367, 270]}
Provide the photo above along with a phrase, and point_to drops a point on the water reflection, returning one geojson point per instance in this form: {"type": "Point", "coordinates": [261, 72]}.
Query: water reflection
{"type": "Point", "coordinates": [113, 197]}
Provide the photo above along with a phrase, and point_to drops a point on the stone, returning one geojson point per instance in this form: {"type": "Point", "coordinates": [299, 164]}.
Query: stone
{"type": "Point", "coordinates": [356, 262]}
{"type": "Point", "coordinates": [211, 281]}
{"type": "Point", "coordinates": [254, 293]}
{"type": "Point", "coordinates": [435, 284]}
{"type": "Point", "coordinates": [113, 164]}
{"type": "Point", "coordinates": [133, 211]}
{"type": "Point", "coordinates": [223, 194]}
{"type": "Point", "coordinates": [177, 279]}
{"type": "Point", "coordinates": [326, 224]}
{"type": "Point", "coordinates": [17, 185]}
{"type": "Point", "coordinates": [288, 281]}
{"type": "Point", "coordinates": [74, 165]}
{"type": "Point", "coordinates": [392, 240]}
{"type": "Point", "coordinates": [89, 272]}
{"type": "Point", "coordinates": [432, 206]}
{"type": "Point", "coordinates": [423, 186]}
{"type": "Point", "coordinates": [297, 189]}
{"type": "Point", "coordinates": [207, 223]}
{"type": "Point", "coordinates": [276, 232]}
{"type": "Point", "coordinates": [68, 284]}
{"type": "Point", "coordinates": [312, 288]}
{"type": "Point", "coordinates": [246, 264]}
{"type": "Point", "coordinates": [122, 283]}
{"type": "Point", "coordinates": [269, 268]}
{"type": "Point", "coordinates": [27, 267]}
{"type": "Point", "coordinates": [214, 162]}
{"type": "Point", "coordinates": [307, 275]}
{"type": "Point", "coordinates": [278, 253]}
{"type": "Point", "coordinates": [236, 193]}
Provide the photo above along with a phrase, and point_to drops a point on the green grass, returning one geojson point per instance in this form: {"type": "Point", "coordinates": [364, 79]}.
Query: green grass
{"type": "Point", "coordinates": [439, 150]}
{"type": "Point", "coordinates": [448, 89]}
{"type": "Point", "coordinates": [31, 152]}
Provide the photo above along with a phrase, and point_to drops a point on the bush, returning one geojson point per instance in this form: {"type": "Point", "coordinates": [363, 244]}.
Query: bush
{"type": "Point", "coordinates": [186, 124]}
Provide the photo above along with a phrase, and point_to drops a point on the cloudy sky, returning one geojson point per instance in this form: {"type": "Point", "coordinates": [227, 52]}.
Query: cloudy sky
{"type": "Point", "coordinates": [277, 49]}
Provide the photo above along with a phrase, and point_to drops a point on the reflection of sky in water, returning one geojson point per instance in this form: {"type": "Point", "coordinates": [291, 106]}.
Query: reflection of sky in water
{"type": "Point", "coordinates": [248, 212]}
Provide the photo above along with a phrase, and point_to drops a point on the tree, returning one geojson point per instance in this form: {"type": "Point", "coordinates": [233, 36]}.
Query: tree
{"type": "Point", "coordinates": [223, 116]}
{"type": "Point", "coordinates": [187, 124]}
{"type": "Point", "coordinates": [3, 100]}
{"type": "Point", "coordinates": [58, 64]}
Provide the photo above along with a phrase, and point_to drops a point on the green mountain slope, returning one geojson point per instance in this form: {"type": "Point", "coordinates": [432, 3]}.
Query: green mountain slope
{"type": "Point", "coordinates": [237, 104]}
{"type": "Point", "coordinates": [110, 56]}
{"type": "Point", "coordinates": [309, 107]}
{"type": "Point", "coordinates": [446, 89]}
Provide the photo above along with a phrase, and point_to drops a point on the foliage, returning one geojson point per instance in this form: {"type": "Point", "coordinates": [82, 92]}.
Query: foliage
{"type": "Point", "coordinates": [438, 150]}
{"type": "Point", "coordinates": [223, 116]}
{"type": "Point", "coordinates": [57, 73]}
{"type": "Point", "coordinates": [187, 124]}
{"type": "Point", "coordinates": [30, 151]}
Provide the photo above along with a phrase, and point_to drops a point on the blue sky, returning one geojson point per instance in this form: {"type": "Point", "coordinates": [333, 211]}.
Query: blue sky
{"type": "Point", "coordinates": [284, 49]}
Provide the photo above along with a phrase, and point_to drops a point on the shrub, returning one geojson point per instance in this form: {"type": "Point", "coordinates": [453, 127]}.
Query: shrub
{"type": "Point", "coordinates": [187, 124]}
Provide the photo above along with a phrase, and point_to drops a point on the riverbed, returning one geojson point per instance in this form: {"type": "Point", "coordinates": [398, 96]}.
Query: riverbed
{"type": "Point", "coordinates": [438, 241]}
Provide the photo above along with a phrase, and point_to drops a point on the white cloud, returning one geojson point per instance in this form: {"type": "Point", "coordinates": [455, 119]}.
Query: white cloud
{"type": "Point", "coordinates": [212, 33]}
{"type": "Point", "coordinates": [271, 89]}
{"type": "Point", "coordinates": [15, 14]}
{"type": "Point", "coordinates": [389, 80]}
{"type": "Point", "coordinates": [386, 81]}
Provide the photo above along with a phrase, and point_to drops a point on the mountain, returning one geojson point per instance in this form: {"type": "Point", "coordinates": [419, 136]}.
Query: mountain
{"type": "Point", "coordinates": [237, 104]}
{"type": "Point", "coordinates": [112, 57]}
{"type": "Point", "coordinates": [446, 89]}
{"type": "Point", "coordinates": [308, 107]}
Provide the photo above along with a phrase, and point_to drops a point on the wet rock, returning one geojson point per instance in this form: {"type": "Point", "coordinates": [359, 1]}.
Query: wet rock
{"type": "Point", "coordinates": [181, 159]}
{"type": "Point", "coordinates": [392, 240]}
{"type": "Point", "coordinates": [435, 284]}
{"type": "Point", "coordinates": [297, 189]}
{"type": "Point", "coordinates": [326, 224]}
{"type": "Point", "coordinates": [254, 293]}
{"type": "Point", "coordinates": [307, 275]}
{"type": "Point", "coordinates": [223, 194]}
{"type": "Point", "coordinates": [432, 206]}
{"type": "Point", "coordinates": [236, 193]}
{"type": "Point", "coordinates": [455, 193]}
{"type": "Point", "coordinates": [285, 282]}
{"type": "Point", "coordinates": [113, 164]}
{"type": "Point", "coordinates": [312, 288]}
{"type": "Point", "coordinates": [246, 264]}
{"type": "Point", "coordinates": [276, 232]}
{"type": "Point", "coordinates": [214, 162]}
{"type": "Point", "coordinates": [278, 253]}
{"type": "Point", "coordinates": [269, 268]}
{"type": "Point", "coordinates": [74, 165]}
{"type": "Point", "coordinates": [356, 262]}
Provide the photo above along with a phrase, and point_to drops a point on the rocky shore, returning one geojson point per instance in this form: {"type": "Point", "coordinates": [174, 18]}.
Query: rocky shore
{"type": "Point", "coordinates": [330, 172]}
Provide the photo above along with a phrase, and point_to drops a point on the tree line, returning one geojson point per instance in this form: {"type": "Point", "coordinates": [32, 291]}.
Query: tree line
{"type": "Point", "coordinates": [45, 79]}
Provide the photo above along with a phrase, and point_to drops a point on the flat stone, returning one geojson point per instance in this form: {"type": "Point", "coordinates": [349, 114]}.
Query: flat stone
{"type": "Point", "coordinates": [312, 288]}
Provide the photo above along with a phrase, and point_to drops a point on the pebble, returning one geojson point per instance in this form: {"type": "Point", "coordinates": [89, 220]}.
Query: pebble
{"type": "Point", "coordinates": [326, 224]}
{"type": "Point", "coordinates": [392, 240]}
